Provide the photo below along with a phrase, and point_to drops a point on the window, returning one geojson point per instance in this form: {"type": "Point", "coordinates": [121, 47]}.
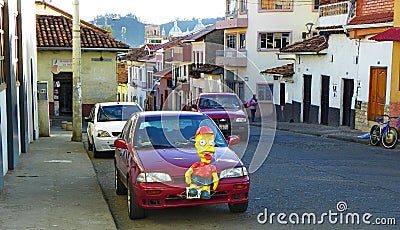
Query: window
{"type": "Point", "coordinates": [149, 80]}
{"type": "Point", "coordinates": [268, 41]}
{"type": "Point", "coordinates": [231, 6]}
{"type": "Point", "coordinates": [316, 4]}
{"type": "Point", "coordinates": [243, 5]}
{"type": "Point", "coordinates": [231, 41]}
{"type": "Point", "coordinates": [242, 41]}
{"type": "Point", "coordinates": [276, 4]}
{"type": "Point", "coordinates": [265, 92]}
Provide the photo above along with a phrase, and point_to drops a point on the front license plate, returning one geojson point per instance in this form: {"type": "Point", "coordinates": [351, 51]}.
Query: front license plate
{"type": "Point", "coordinates": [191, 196]}
{"type": "Point", "coordinates": [224, 127]}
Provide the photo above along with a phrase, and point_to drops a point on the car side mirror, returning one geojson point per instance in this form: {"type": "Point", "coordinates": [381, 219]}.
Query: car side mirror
{"type": "Point", "coordinates": [120, 143]}
{"type": "Point", "coordinates": [233, 140]}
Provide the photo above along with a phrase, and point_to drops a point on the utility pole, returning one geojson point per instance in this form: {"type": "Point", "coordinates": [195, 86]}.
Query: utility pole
{"type": "Point", "coordinates": [76, 69]}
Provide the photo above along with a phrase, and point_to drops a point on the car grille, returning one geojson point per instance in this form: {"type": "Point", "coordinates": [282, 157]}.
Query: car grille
{"type": "Point", "coordinates": [115, 134]}
{"type": "Point", "coordinates": [223, 123]}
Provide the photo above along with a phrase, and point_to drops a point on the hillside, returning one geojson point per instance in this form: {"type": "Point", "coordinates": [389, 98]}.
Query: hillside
{"type": "Point", "coordinates": [135, 29]}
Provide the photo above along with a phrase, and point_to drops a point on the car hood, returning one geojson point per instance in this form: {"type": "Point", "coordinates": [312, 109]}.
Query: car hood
{"type": "Point", "coordinates": [177, 161]}
{"type": "Point", "coordinates": [110, 126]}
{"type": "Point", "coordinates": [223, 113]}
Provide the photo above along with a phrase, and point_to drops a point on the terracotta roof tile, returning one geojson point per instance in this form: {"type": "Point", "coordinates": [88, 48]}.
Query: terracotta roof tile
{"type": "Point", "coordinates": [285, 70]}
{"type": "Point", "coordinates": [392, 34]}
{"type": "Point", "coordinates": [56, 31]}
{"type": "Point", "coordinates": [136, 53]}
{"type": "Point", "coordinates": [314, 44]}
{"type": "Point", "coordinates": [372, 18]}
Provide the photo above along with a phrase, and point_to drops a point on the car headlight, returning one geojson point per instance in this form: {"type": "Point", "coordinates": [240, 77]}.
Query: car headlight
{"type": "Point", "coordinates": [154, 177]}
{"type": "Point", "coordinates": [241, 119]}
{"type": "Point", "coordinates": [102, 133]}
{"type": "Point", "coordinates": [234, 172]}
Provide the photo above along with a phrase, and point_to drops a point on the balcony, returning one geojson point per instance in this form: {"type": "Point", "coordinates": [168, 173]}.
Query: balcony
{"type": "Point", "coordinates": [336, 14]}
{"type": "Point", "coordinates": [234, 19]}
{"type": "Point", "coordinates": [231, 58]}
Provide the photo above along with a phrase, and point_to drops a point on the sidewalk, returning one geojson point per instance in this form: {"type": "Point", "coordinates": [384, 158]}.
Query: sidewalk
{"type": "Point", "coordinates": [54, 187]}
{"type": "Point", "coordinates": [344, 133]}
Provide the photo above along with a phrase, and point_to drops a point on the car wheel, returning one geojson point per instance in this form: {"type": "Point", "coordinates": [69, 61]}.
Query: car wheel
{"type": "Point", "coordinates": [95, 152]}
{"type": "Point", "coordinates": [239, 207]}
{"type": "Point", "coordinates": [134, 210]}
{"type": "Point", "coordinates": [90, 145]}
{"type": "Point", "coordinates": [120, 188]}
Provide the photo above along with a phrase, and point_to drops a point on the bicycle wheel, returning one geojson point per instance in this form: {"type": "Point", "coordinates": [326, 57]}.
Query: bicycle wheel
{"type": "Point", "coordinates": [375, 135]}
{"type": "Point", "coordinates": [390, 138]}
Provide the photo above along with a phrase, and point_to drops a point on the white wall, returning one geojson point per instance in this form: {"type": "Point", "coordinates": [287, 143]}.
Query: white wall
{"type": "Point", "coordinates": [374, 54]}
{"type": "Point", "coordinates": [293, 22]}
{"type": "Point", "coordinates": [3, 130]}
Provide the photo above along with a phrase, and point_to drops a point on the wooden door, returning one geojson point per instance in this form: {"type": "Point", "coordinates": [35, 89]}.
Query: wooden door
{"type": "Point", "coordinates": [377, 92]}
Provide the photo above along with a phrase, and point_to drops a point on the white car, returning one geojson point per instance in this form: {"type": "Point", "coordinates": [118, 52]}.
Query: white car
{"type": "Point", "coordinates": [105, 123]}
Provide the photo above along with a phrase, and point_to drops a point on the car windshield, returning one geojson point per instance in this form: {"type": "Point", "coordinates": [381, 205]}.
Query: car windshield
{"type": "Point", "coordinates": [219, 102]}
{"type": "Point", "coordinates": [173, 131]}
{"type": "Point", "coordinates": [116, 112]}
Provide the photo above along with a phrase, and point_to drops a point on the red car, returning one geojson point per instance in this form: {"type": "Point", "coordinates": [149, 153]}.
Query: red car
{"type": "Point", "coordinates": [227, 111]}
{"type": "Point", "coordinates": [154, 151]}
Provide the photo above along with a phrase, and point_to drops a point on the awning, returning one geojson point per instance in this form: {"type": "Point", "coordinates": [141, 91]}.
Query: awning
{"type": "Point", "coordinates": [392, 34]}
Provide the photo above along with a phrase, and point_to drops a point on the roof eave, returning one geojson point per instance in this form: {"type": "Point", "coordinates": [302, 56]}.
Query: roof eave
{"type": "Point", "coordinates": [84, 49]}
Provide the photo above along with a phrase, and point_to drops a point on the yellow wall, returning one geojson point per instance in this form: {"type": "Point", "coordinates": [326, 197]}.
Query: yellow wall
{"type": "Point", "coordinates": [99, 78]}
{"type": "Point", "coordinates": [122, 91]}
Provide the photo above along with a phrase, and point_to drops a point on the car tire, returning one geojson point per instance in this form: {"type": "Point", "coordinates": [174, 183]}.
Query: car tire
{"type": "Point", "coordinates": [120, 188]}
{"type": "Point", "coordinates": [134, 210]}
{"type": "Point", "coordinates": [90, 145]}
{"type": "Point", "coordinates": [238, 207]}
{"type": "Point", "coordinates": [95, 152]}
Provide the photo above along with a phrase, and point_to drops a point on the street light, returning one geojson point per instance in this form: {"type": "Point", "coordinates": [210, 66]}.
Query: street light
{"type": "Point", "coordinates": [309, 26]}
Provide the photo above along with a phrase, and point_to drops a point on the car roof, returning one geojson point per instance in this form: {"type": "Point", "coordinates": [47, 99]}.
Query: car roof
{"type": "Point", "coordinates": [117, 103]}
{"type": "Point", "coordinates": [218, 94]}
{"type": "Point", "coordinates": [168, 113]}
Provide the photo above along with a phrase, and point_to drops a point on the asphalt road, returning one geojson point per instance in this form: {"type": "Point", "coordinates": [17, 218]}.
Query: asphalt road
{"type": "Point", "coordinates": [302, 176]}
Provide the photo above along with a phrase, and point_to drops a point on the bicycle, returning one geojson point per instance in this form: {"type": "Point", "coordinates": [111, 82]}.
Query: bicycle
{"type": "Point", "coordinates": [384, 133]}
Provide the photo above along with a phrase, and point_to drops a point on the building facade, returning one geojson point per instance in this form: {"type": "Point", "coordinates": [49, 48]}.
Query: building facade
{"type": "Point", "coordinates": [18, 88]}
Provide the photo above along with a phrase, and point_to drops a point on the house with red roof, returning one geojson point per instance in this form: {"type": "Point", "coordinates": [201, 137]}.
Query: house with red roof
{"type": "Point", "coordinates": [99, 79]}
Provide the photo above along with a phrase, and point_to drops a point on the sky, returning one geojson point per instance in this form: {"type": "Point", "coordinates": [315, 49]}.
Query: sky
{"type": "Point", "coordinates": [148, 11]}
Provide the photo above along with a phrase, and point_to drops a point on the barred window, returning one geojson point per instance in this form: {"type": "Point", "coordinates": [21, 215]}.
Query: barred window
{"type": "Point", "coordinates": [276, 4]}
{"type": "Point", "coordinates": [231, 41]}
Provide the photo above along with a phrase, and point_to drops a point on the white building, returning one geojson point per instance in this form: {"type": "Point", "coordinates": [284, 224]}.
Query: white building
{"type": "Point", "coordinates": [254, 32]}
{"type": "Point", "coordinates": [18, 82]}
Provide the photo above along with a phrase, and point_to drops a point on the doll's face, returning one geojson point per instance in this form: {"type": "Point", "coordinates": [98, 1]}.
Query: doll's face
{"type": "Point", "coordinates": [205, 146]}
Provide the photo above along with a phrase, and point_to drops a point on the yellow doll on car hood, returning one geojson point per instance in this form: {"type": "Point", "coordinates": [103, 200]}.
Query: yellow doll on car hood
{"type": "Point", "coordinates": [202, 174]}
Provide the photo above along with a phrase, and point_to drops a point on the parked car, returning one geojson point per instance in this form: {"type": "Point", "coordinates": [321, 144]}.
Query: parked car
{"type": "Point", "coordinates": [227, 111]}
{"type": "Point", "coordinates": [105, 123]}
{"type": "Point", "coordinates": [155, 150]}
